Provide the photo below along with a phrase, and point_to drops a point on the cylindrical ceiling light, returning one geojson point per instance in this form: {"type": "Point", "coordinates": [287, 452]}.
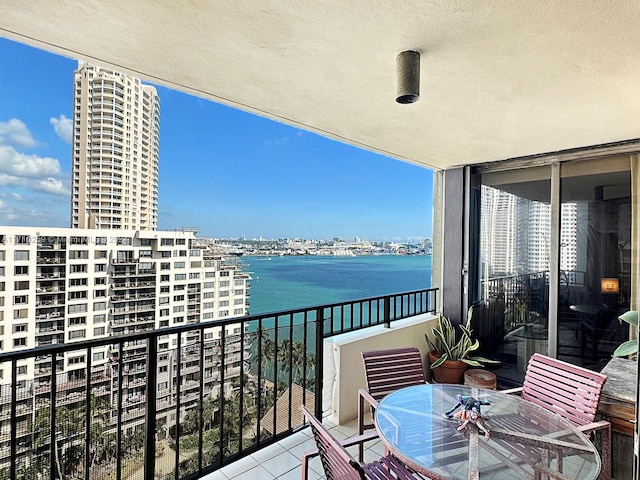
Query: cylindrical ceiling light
{"type": "Point", "coordinates": [408, 76]}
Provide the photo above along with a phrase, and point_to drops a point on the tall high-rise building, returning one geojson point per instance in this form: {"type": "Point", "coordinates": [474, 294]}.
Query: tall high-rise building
{"type": "Point", "coordinates": [68, 285]}
{"type": "Point", "coordinates": [116, 122]}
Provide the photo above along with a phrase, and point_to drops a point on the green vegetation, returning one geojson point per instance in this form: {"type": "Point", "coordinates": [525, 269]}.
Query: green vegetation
{"type": "Point", "coordinates": [630, 347]}
{"type": "Point", "coordinates": [450, 346]}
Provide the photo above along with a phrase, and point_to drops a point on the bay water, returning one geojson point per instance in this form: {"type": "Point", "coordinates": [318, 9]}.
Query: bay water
{"type": "Point", "coordinates": [288, 282]}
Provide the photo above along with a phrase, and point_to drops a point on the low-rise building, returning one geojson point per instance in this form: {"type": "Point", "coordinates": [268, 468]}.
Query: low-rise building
{"type": "Point", "coordinates": [62, 285]}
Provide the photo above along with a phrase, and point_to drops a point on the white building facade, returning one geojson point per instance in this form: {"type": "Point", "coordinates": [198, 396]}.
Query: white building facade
{"type": "Point", "coordinates": [116, 124]}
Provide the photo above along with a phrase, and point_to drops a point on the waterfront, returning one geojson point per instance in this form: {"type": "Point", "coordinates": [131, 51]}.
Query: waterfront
{"type": "Point", "coordinates": [288, 282]}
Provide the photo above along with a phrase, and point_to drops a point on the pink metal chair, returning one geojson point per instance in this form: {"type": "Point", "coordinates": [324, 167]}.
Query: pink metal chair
{"type": "Point", "coordinates": [339, 464]}
{"type": "Point", "coordinates": [386, 371]}
{"type": "Point", "coordinates": [572, 392]}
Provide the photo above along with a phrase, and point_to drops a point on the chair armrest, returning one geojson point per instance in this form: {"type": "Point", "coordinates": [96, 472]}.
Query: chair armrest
{"type": "Point", "coordinates": [347, 442]}
{"type": "Point", "coordinates": [512, 390]}
{"type": "Point", "coordinates": [591, 427]}
{"type": "Point", "coordinates": [364, 396]}
{"type": "Point", "coordinates": [358, 439]}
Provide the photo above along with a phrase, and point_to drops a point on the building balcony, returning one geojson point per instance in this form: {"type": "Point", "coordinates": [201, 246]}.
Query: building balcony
{"type": "Point", "coordinates": [135, 284]}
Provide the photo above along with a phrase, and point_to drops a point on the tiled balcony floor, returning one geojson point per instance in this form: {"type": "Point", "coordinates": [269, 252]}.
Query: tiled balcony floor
{"type": "Point", "coordinates": [282, 460]}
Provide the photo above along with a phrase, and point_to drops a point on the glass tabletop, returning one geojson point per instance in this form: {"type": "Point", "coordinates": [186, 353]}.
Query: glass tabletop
{"type": "Point", "coordinates": [523, 440]}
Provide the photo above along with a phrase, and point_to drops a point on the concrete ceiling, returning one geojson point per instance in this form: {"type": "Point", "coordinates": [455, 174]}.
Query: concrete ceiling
{"type": "Point", "coordinates": [500, 78]}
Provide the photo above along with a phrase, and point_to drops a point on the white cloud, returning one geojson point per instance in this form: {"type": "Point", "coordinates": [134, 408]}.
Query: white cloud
{"type": "Point", "coordinates": [31, 217]}
{"type": "Point", "coordinates": [276, 141]}
{"type": "Point", "coordinates": [20, 164]}
{"type": "Point", "coordinates": [63, 127]}
{"type": "Point", "coordinates": [46, 185]}
{"type": "Point", "coordinates": [51, 185]}
{"type": "Point", "coordinates": [39, 193]}
{"type": "Point", "coordinates": [16, 132]}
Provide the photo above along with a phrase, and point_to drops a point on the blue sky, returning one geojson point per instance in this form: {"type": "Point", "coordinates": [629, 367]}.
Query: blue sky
{"type": "Point", "coordinates": [228, 172]}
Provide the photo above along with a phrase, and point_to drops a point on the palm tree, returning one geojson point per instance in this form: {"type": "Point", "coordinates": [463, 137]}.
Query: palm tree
{"type": "Point", "coordinates": [209, 409]}
{"type": "Point", "coordinates": [309, 379]}
{"type": "Point", "coordinates": [66, 425]}
{"type": "Point", "coordinates": [284, 358]}
{"type": "Point", "coordinates": [99, 441]}
{"type": "Point", "coordinates": [268, 352]}
{"type": "Point", "coordinates": [298, 360]}
{"type": "Point", "coordinates": [292, 358]}
{"type": "Point", "coordinates": [230, 425]}
{"type": "Point", "coordinates": [191, 422]}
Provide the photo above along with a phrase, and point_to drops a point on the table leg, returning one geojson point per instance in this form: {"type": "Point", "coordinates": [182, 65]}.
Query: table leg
{"type": "Point", "coordinates": [474, 473]}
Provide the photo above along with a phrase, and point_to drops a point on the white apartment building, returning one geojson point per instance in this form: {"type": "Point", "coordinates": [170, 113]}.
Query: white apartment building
{"type": "Point", "coordinates": [116, 123]}
{"type": "Point", "coordinates": [537, 241]}
{"type": "Point", "coordinates": [516, 239]}
{"type": "Point", "coordinates": [69, 285]}
{"type": "Point", "coordinates": [499, 240]}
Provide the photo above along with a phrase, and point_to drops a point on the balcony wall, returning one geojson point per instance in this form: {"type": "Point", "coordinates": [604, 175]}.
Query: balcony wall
{"type": "Point", "coordinates": [343, 371]}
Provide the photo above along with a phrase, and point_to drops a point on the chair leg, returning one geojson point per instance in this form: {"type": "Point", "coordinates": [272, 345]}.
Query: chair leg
{"type": "Point", "coordinates": [361, 410]}
{"type": "Point", "coordinates": [305, 465]}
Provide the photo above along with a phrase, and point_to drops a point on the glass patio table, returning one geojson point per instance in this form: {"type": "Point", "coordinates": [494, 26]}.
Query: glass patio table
{"type": "Point", "coordinates": [524, 440]}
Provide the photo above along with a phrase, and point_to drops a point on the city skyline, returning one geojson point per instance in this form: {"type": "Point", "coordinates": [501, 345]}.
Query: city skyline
{"type": "Point", "coordinates": [227, 172]}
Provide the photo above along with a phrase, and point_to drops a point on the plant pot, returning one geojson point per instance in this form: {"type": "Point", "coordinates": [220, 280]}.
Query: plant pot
{"type": "Point", "coordinates": [451, 371]}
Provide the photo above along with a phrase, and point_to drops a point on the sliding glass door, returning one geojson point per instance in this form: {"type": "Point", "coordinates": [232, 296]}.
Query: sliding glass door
{"type": "Point", "coordinates": [551, 262]}
{"type": "Point", "coordinates": [513, 266]}
{"type": "Point", "coordinates": [595, 260]}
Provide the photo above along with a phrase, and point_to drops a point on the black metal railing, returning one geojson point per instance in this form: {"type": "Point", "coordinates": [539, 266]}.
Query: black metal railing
{"type": "Point", "coordinates": [178, 402]}
{"type": "Point", "coordinates": [519, 297]}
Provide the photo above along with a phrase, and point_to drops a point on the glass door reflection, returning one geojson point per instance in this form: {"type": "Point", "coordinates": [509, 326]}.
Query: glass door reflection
{"type": "Point", "coordinates": [514, 234]}
{"type": "Point", "coordinates": [595, 261]}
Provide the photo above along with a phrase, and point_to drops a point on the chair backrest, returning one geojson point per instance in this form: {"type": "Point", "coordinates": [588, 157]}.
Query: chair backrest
{"type": "Point", "coordinates": [389, 370]}
{"type": "Point", "coordinates": [336, 460]}
{"type": "Point", "coordinates": [568, 390]}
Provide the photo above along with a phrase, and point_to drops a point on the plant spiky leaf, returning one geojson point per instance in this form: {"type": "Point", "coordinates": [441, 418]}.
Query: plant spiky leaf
{"type": "Point", "coordinates": [443, 358]}
{"type": "Point", "coordinates": [450, 346]}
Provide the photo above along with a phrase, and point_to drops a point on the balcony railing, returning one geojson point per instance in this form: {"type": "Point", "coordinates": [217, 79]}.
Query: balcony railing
{"type": "Point", "coordinates": [523, 296]}
{"type": "Point", "coordinates": [213, 392]}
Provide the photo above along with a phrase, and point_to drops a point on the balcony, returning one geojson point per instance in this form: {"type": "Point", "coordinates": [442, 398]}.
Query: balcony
{"type": "Point", "coordinates": [175, 375]}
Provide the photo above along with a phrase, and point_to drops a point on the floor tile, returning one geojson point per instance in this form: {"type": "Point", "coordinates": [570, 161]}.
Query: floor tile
{"type": "Point", "coordinates": [257, 473]}
{"type": "Point", "coordinates": [217, 475]}
{"type": "Point", "coordinates": [282, 460]}
{"type": "Point", "coordinates": [266, 453]}
{"type": "Point", "coordinates": [281, 464]}
{"type": "Point", "coordinates": [240, 466]}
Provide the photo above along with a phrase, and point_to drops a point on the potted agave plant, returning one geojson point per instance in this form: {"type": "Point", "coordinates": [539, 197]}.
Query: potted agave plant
{"type": "Point", "coordinates": [450, 352]}
{"type": "Point", "coordinates": [630, 347]}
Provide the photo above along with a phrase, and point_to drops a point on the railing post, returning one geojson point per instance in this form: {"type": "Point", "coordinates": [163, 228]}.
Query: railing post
{"type": "Point", "coordinates": [386, 309]}
{"type": "Point", "coordinates": [53, 446]}
{"type": "Point", "coordinates": [87, 418]}
{"type": "Point", "coordinates": [14, 421]}
{"type": "Point", "coordinates": [319, 361]}
{"type": "Point", "coordinates": [150, 420]}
